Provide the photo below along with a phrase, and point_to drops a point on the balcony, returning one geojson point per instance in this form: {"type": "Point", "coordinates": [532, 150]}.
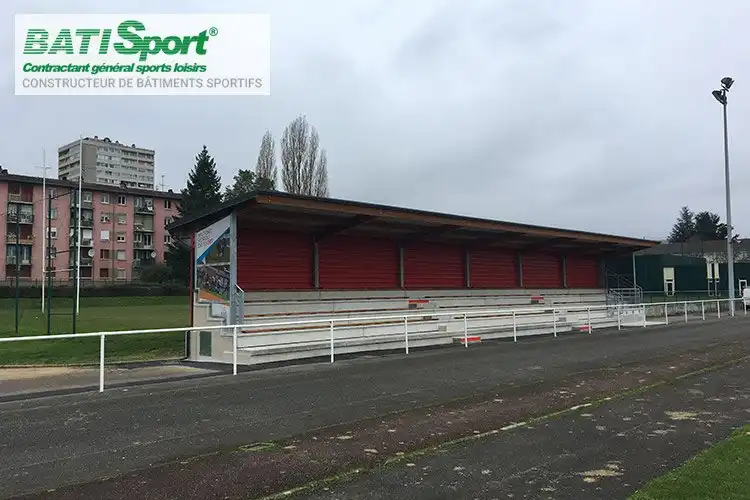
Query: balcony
{"type": "Point", "coordinates": [84, 203]}
{"type": "Point", "coordinates": [143, 246]}
{"type": "Point", "coordinates": [140, 228]}
{"type": "Point", "coordinates": [11, 259]}
{"type": "Point", "coordinates": [85, 262]}
{"type": "Point", "coordinates": [21, 218]}
{"type": "Point", "coordinates": [85, 242]}
{"type": "Point", "coordinates": [21, 197]}
{"type": "Point", "coordinates": [142, 263]}
{"type": "Point", "coordinates": [85, 222]}
{"type": "Point", "coordinates": [144, 209]}
{"type": "Point", "coordinates": [23, 240]}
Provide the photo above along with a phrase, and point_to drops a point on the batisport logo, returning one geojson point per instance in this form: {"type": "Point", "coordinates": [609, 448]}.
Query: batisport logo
{"type": "Point", "coordinates": [78, 41]}
{"type": "Point", "coordinates": [146, 54]}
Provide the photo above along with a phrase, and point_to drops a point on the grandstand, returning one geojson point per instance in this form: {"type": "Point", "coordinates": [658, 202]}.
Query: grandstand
{"type": "Point", "coordinates": [351, 271]}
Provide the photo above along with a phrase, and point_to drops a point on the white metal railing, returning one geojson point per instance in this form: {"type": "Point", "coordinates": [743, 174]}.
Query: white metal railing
{"type": "Point", "coordinates": [681, 308]}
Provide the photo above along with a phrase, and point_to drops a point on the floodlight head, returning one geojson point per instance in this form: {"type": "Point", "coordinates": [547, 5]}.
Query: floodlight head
{"type": "Point", "coordinates": [719, 95]}
{"type": "Point", "coordinates": [727, 82]}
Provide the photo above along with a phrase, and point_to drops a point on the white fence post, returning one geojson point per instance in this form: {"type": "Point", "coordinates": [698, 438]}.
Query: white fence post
{"type": "Point", "coordinates": [666, 316]}
{"type": "Point", "coordinates": [588, 313]}
{"type": "Point", "coordinates": [703, 310]}
{"type": "Point", "coordinates": [101, 363]}
{"type": "Point", "coordinates": [331, 341]}
{"type": "Point", "coordinates": [234, 350]}
{"type": "Point", "coordinates": [644, 315]}
{"type": "Point", "coordinates": [744, 303]}
{"type": "Point", "coordinates": [466, 331]}
{"type": "Point", "coordinates": [619, 320]}
{"type": "Point", "coordinates": [685, 304]}
{"type": "Point", "coordinates": [718, 309]}
{"type": "Point", "coordinates": [515, 334]}
{"type": "Point", "coordinates": [406, 333]}
{"type": "Point", "coordinates": [554, 322]}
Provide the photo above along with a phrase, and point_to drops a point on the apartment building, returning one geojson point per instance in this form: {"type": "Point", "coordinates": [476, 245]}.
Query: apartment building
{"type": "Point", "coordinates": [108, 162]}
{"type": "Point", "coordinates": [122, 230]}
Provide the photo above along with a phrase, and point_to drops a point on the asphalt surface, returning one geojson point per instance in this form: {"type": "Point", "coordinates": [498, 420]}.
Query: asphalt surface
{"type": "Point", "coordinates": [56, 441]}
{"type": "Point", "coordinates": [604, 452]}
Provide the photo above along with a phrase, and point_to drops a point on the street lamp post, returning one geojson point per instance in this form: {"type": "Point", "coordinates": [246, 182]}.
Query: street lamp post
{"type": "Point", "coordinates": [721, 96]}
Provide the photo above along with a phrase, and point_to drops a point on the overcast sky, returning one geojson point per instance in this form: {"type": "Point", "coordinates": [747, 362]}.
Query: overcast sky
{"type": "Point", "coordinates": [593, 115]}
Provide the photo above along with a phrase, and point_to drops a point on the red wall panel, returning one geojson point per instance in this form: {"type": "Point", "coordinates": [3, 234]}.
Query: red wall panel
{"type": "Point", "coordinates": [542, 270]}
{"type": "Point", "coordinates": [493, 268]}
{"type": "Point", "coordinates": [582, 272]}
{"type": "Point", "coordinates": [348, 263]}
{"type": "Point", "coordinates": [274, 260]}
{"type": "Point", "coordinates": [434, 265]}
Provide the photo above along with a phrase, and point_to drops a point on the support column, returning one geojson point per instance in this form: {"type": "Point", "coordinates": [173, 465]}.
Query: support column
{"type": "Point", "coordinates": [316, 265]}
{"type": "Point", "coordinates": [520, 269]}
{"type": "Point", "coordinates": [401, 282]}
{"type": "Point", "coordinates": [467, 268]}
{"type": "Point", "coordinates": [565, 271]}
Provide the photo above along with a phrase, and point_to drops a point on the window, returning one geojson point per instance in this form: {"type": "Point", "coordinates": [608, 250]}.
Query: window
{"type": "Point", "coordinates": [52, 192]}
{"type": "Point", "coordinates": [104, 218]}
{"type": "Point", "coordinates": [168, 220]}
{"type": "Point", "coordinates": [122, 199]}
{"type": "Point", "coordinates": [53, 232]}
{"type": "Point", "coordinates": [104, 235]}
{"type": "Point", "coordinates": [104, 253]}
{"type": "Point", "coordinates": [120, 237]}
{"type": "Point", "coordinates": [87, 197]}
{"type": "Point", "coordinates": [121, 274]}
{"type": "Point", "coordinates": [167, 239]}
{"type": "Point", "coordinates": [122, 218]}
{"type": "Point", "coordinates": [105, 201]}
{"type": "Point", "coordinates": [167, 203]}
{"type": "Point", "coordinates": [52, 252]}
{"type": "Point", "coordinates": [53, 213]}
{"type": "Point", "coordinates": [104, 272]}
{"type": "Point", "coordinates": [121, 255]}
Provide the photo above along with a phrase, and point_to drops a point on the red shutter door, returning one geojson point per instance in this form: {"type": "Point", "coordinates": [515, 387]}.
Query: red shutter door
{"type": "Point", "coordinates": [493, 268]}
{"type": "Point", "coordinates": [542, 270]}
{"type": "Point", "coordinates": [582, 272]}
{"type": "Point", "coordinates": [433, 265]}
{"type": "Point", "coordinates": [348, 263]}
{"type": "Point", "coordinates": [274, 260]}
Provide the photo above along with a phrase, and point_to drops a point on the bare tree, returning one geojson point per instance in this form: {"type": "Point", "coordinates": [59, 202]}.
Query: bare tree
{"type": "Point", "coordinates": [300, 160]}
{"type": "Point", "coordinates": [265, 168]}
{"type": "Point", "coordinates": [321, 176]}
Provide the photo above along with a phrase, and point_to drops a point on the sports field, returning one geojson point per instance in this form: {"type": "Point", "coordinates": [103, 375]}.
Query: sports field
{"type": "Point", "coordinates": [96, 314]}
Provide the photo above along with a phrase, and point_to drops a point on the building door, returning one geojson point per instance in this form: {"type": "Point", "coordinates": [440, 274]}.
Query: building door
{"type": "Point", "coordinates": [669, 287]}
{"type": "Point", "coordinates": [712, 274]}
{"type": "Point", "coordinates": [669, 284]}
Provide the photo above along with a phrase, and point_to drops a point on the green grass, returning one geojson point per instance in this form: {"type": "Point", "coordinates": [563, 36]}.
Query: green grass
{"type": "Point", "coordinates": [721, 472]}
{"type": "Point", "coordinates": [96, 314]}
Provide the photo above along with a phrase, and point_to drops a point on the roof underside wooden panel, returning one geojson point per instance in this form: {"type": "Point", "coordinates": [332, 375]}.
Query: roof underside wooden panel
{"type": "Point", "coordinates": [323, 218]}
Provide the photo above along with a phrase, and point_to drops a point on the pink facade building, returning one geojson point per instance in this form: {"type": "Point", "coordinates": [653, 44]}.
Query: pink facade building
{"type": "Point", "coordinates": [122, 229]}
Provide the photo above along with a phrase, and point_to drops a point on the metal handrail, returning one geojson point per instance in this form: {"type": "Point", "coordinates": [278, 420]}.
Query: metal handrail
{"type": "Point", "coordinates": [331, 322]}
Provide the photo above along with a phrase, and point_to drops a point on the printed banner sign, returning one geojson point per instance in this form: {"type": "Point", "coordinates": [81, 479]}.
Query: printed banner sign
{"type": "Point", "coordinates": [142, 54]}
{"type": "Point", "coordinates": [213, 261]}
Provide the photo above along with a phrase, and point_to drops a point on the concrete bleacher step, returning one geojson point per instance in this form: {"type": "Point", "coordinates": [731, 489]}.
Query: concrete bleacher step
{"type": "Point", "coordinates": [428, 324]}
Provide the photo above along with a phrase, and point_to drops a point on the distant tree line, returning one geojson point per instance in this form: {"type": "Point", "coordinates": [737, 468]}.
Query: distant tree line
{"type": "Point", "coordinates": [304, 170]}
{"type": "Point", "coordinates": [700, 226]}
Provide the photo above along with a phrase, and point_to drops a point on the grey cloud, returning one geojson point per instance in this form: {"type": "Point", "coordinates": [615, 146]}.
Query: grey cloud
{"type": "Point", "coordinates": [582, 114]}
